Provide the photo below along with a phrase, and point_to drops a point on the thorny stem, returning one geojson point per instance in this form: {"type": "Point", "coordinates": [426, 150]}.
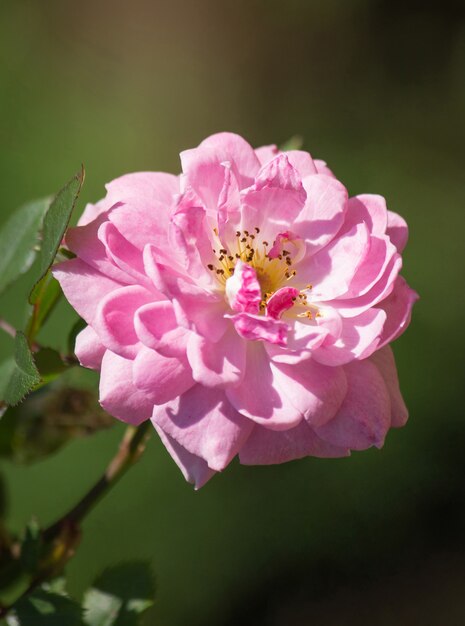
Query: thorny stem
{"type": "Point", "coordinates": [63, 536]}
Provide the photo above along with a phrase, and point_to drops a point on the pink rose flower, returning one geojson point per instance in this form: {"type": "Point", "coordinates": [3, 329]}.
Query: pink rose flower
{"type": "Point", "coordinates": [245, 307]}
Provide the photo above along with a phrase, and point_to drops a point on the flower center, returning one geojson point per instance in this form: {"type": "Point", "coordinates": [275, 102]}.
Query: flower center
{"type": "Point", "coordinates": [272, 266]}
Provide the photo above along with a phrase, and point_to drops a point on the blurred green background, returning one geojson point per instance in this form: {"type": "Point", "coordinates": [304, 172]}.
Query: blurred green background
{"type": "Point", "coordinates": [376, 88]}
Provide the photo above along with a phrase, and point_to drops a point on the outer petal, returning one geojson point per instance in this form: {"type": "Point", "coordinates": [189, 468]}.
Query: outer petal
{"type": "Point", "coordinates": [89, 349]}
{"type": "Point", "coordinates": [313, 389]}
{"type": "Point", "coordinates": [398, 307]}
{"type": "Point", "coordinates": [332, 269]}
{"type": "Point", "coordinates": [118, 394]}
{"type": "Point", "coordinates": [268, 447]}
{"type": "Point", "coordinates": [369, 209]}
{"type": "Point", "coordinates": [194, 469]}
{"type": "Point", "coordinates": [92, 211]}
{"type": "Point", "coordinates": [359, 338]}
{"type": "Point", "coordinates": [205, 424]}
{"type": "Point", "coordinates": [351, 307]}
{"type": "Point", "coordinates": [377, 260]}
{"type": "Point", "coordinates": [123, 254]}
{"type": "Point", "coordinates": [217, 364]}
{"type": "Point", "coordinates": [212, 152]}
{"type": "Point", "coordinates": [322, 168]}
{"type": "Point", "coordinates": [83, 286]}
{"type": "Point", "coordinates": [143, 223]}
{"type": "Point", "coordinates": [384, 361]}
{"type": "Point", "coordinates": [149, 187]}
{"type": "Point", "coordinates": [84, 242]}
{"type": "Point", "coordinates": [161, 378]}
{"type": "Point", "coordinates": [397, 230]}
{"type": "Point", "coordinates": [266, 153]}
{"type": "Point", "coordinates": [323, 213]}
{"type": "Point", "coordinates": [114, 319]}
{"type": "Point", "coordinates": [147, 198]}
{"type": "Point", "coordinates": [302, 162]}
{"type": "Point", "coordinates": [365, 415]}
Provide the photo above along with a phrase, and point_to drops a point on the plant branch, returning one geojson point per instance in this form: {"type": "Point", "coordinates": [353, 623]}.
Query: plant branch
{"type": "Point", "coordinates": [7, 328]}
{"type": "Point", "coordinates": [130, 450]}
{"type": "Point", "coordinates": [61, 538]}
{"type": "Point", "coordinates": [11, 330]}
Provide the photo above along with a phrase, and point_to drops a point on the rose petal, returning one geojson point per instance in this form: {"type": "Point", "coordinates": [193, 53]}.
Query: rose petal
{"type": "Point", "coordinates": [157, 328]}
{"type": "Point", "coordinates": [194, 469]}
{"type": "Point", "coordinates": [397, 230]}
{"type": "Point", "coordinates": [359, 338]}
{"type": "Point", "coordinates": [267, 447]}
{"type": "Point", "coordinates": [205, 424]}
{"type": "Point", "coordinates": [398, 307]}
{"type": "Point", "coordinates": [161, 378]}
{"type": "Point", "coordinates": [369, 209]}
{"type": "Point", "coordinates": [384, 361]}
{"type": "Point", "coordinates": [365, 414]}
{"type": "Point", "coordinates": [114, 319]}
{"type": "Point", "coordinates": [259, 397]}
{"type": "Point", "coordinates": [323, 213]}
{"type": "Point", "coordinates": [89, 349]}
{"type": "Point", "coordinates": [217, 364]}
{"type": "Point", "coordinates": [83, 286]}
{"type": "Point", "coordinates": [275, 199]}
{"type": "Point", "coordinates": [118, 394]}
{"type": "Point", "coordinates": [331, 269]}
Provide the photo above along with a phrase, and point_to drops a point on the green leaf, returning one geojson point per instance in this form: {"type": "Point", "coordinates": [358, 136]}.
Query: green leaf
{"type": "Point", "coordinates": [294, 143]}
{"type": "Point", "coordinates": [45, 608]}
{"type": "Point", "coordinates": [56, 221]}
{"type": "Point", "coordinates": [24, 376]}
{"type": "Point", "coordinates": [44, 296]}
{"type": "Point", "coordinates": [120, 595]}
{"type": "Point", "coordinates": [101, 609]}
{"type": "Point", "coordinates": [56, 585]}
{"type": "Point", "coordinates": [18, 238]}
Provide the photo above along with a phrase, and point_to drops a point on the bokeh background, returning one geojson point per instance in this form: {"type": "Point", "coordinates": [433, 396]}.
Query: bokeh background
{"type": "Point", "coordinates": [376, 88]}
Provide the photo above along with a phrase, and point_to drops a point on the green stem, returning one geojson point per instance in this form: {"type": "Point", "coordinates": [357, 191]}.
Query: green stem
{"type": "Point", "coordinates": [62, 537]}
{"type": "Point", "coordinates": [130, 450]}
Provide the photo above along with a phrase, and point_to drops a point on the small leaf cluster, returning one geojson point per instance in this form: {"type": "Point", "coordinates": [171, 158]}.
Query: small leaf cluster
{"type": "Point", "coordinates": [119, 597]}
{"type": "Point", "coordinates": [41, 409]}
{"type": "Point", "coordinates": [33, 232]}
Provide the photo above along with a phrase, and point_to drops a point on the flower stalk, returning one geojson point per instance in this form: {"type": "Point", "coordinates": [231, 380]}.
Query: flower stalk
{"type": "Point", "coordinates": [60, 540]}
{"type": "Point", "coordinates": [130, 450]}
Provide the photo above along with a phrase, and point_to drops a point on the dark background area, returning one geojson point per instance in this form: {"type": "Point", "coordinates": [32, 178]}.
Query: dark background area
{"type": "Point", "coordinates": [377, 89]}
